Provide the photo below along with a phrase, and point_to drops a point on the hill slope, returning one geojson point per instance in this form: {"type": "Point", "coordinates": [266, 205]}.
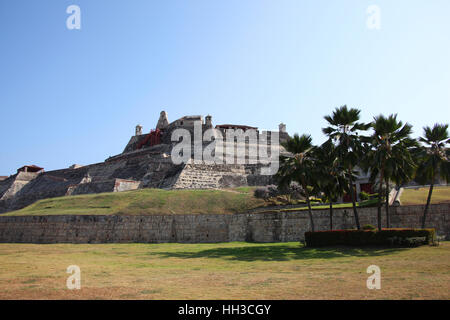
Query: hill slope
{"type": "Point", "coordinates": [147, 202]}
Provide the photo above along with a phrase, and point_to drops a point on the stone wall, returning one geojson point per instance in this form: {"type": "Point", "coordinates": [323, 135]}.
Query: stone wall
{"type": "Point", "coordinates": [253, 227]}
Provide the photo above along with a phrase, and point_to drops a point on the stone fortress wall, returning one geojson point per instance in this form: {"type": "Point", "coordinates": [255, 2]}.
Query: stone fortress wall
{"type": "Point", "coordinates": [142, 164]}
{"type": "Point", "coordinates": [205, 228]}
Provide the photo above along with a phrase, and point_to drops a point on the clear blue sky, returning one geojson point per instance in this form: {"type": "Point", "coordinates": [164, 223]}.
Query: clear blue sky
{"type": "Point", "coordinates": [75, 96]}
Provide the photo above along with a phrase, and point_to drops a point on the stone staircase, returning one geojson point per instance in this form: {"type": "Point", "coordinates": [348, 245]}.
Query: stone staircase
{"type": "Point", "coordinates": [394, 196]}
{"type": "Point", "coordinates": [206, 176]}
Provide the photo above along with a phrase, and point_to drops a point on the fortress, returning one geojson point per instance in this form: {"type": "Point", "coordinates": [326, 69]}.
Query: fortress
{"type": "Point", "coordinates": [147, 162]}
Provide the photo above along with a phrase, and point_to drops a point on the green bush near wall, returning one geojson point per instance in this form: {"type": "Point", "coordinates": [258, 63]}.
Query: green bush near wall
{"type": "Point", "coordinates": [385, 237]}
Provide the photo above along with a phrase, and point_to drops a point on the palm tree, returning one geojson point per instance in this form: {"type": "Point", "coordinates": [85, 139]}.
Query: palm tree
{"type": "Point", "coordinates": [331, 176]}
{"type": "Point", "coordinates": [299, 167]}
{"type": "Point", "coordinates": [343, 130]}
{"type": "Point", "coordinates": [434, 159]}
{"type": "Point", "coordinates": [400, 168]}
{"type": "Point", "coordinates": [390, 157]}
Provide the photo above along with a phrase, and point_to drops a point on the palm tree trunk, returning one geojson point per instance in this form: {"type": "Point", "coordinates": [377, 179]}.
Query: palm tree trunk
{"type": "Point", "coordinates": [305, 187]}
{"type": "Point", "coordinates": [331, 215]}
{"type": "Point", "coordinates": [387, 203]}
{"type": "Point", "coordinates": [428, 204]}
{"type": "Point", "coordinates": [352, 193]}
{"type": "Point", "coordinates": [380, 195]}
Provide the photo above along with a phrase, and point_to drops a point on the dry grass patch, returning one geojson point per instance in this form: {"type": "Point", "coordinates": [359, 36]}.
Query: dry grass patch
{"type": "Point", "coordinates": [419, 196]}
{"type": "Point", "coordinates": [221, 271]}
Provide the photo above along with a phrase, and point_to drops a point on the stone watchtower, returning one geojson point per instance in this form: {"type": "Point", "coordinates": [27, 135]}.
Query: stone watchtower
{"type": "Point", "coordinates": [284, 136]}
{"type": "Point", "coordinates": [208, 121]}
{"type": "Point", "coordinates": [163, 121]}
{"type": "Point", "coordinates": [138, 131]}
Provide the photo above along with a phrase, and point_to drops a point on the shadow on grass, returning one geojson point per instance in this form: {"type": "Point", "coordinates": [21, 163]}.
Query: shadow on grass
{"type": "Point", "coordinates": [281, 253]}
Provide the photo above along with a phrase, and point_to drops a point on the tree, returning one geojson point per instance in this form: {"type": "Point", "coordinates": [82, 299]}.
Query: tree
{"type": "Point", "coordinates": [390, 157]}
{"type": "Point", "coordinates": [299, 167]}
{"type": "Point", "coordinates": [433, 159]}
{"type": "Point", "coordinates": [401, 168]}
{"type": "Point", "coordinates": [331, 175]}
{"type": "Point", "coordinates": [343, 129]}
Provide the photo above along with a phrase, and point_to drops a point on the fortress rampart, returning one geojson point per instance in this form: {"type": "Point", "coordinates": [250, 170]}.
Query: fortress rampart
{"type": "Point", "coordinates": [190, 228]}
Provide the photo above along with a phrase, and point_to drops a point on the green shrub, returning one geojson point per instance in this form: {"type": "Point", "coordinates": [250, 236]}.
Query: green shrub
{"type": "Point", "coordinates": [407, 242]}
{"type": "Point", "coordinates": [368, 227]}
{"type": "Point", "coordinates": [364, 195]}
{"type": "Point", "coordinates": [368, 203]}
{"type": "Point", "coordinates": [375, 196]}
{"type": "Point", "coordinates": [385, 237]}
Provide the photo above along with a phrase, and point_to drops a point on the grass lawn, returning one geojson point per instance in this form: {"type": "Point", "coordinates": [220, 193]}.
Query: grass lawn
{"type": "Point", "coordinates": [419, 196]}
{"type": "Point", "coordinates": [147, 202]}
{"type": "Point", "coordinates": [222, 271]}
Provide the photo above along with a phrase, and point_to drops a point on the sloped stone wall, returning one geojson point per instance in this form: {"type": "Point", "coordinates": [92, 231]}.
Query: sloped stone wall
{"type": "Point", "coordinates": [253, 227]}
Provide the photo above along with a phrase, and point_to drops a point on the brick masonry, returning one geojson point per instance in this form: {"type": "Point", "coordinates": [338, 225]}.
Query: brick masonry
{"type": "Point", "coordinates": [253, 227]}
